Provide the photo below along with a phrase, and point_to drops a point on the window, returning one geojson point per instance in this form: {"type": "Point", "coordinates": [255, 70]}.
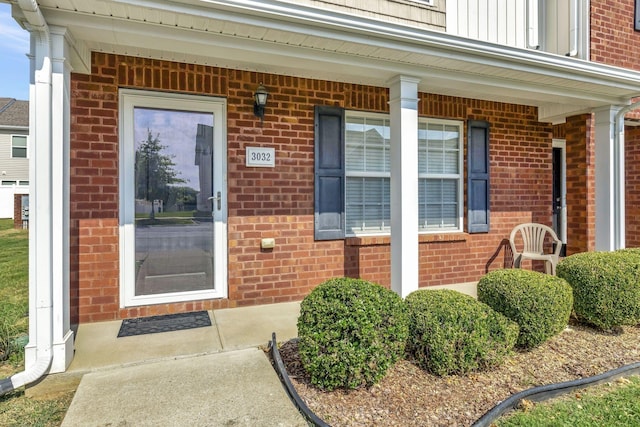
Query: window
{"type": "Point", "coordinates": [8, 182]}
{"type": "Point", "coordinates": [368, 173]}
{"type": "Point", "coordinates": [439, 174]}
{"type": "Point", "coordinates": [19, 146]}
{"type": "Point", "coordinates": [353, 174]}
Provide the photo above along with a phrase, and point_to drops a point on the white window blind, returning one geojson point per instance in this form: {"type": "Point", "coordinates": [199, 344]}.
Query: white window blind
{"type": "Point", "coordinates": [439, 175]}
{"type": "Point", "coordinates": [368, 203]}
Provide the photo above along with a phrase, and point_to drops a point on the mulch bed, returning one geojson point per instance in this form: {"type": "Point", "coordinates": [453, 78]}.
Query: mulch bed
{"type": "Point", "coordinates": [409, 396]}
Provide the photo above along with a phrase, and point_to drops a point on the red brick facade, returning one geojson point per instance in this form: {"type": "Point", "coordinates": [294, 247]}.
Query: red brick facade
{"type": "Point", "coordinates": [613, 38]}
{"type": "Point", "coordinates": [632, 182]}
{"type": "Point", "coordinates": [581, 219]}
{"type": "Point", "coordinates": [278, 202]}
{"type": "Point", "coordinates": [17, 211]}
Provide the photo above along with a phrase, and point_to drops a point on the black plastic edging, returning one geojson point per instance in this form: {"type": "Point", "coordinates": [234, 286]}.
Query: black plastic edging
{"type": "Point", "coordinates": [284, 377]}
{"type": "Point", "coordinates": [538, 394]}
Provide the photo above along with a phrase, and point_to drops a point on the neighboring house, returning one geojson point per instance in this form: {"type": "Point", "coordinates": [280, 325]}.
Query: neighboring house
{"type": "Point", "coordinates": [14, 153]}
{"type": "Point", "coordinates": [400, 143]}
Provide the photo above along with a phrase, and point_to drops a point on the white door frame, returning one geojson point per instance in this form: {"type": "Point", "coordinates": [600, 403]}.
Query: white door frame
{"type": "Point", "coordinates": [218, 107]}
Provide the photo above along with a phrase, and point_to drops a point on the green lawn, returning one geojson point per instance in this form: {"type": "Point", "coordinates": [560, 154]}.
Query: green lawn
{"type": "Point", "coordinates": [615, 404]}
{"type": "Point", "coordinates": [15, 408]}
{"type": "Point", "coordinates": [14, 292]}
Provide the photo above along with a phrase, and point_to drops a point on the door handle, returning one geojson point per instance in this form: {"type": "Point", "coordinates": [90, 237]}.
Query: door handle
{"type": "Point", "coordinates": [218, 198]}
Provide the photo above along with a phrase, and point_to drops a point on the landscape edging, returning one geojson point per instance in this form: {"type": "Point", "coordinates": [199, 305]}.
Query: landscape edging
{"type": "Point", "coordinates": [549, 391]}
{"type": "Point", "coordinates": [291, 391]}
{"type": "Point", "coordinates": [535, 394]}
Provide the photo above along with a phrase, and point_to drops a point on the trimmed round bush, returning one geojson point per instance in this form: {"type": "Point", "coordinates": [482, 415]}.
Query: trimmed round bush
{"type": "Point", "coordinates": [350, 332]}
{"type": "Point", "coordinates": [606, 287]}
{"type": "Point", "coordinates": [452, 333]}
{"type": "Point", "coordinates": [539, 303]}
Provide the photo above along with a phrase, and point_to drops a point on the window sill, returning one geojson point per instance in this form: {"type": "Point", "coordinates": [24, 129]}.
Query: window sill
{"type": "Point", "coordinates": [422, 238]}
{"type": "Point", "coordinates": [443, 237]}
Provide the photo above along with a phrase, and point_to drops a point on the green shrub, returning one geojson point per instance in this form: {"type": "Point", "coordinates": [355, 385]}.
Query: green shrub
{"type": "Point", "coordinates": [351, 331]}
{"type": "Point", "coordinates": [452, 333]}
{"type": "Point", "coordinates": [539, 303]}
{"type": "Point", "coordinates": [606, 287]}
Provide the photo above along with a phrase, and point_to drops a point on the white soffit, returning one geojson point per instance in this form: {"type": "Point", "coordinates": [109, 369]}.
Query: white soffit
{"type": "Point", "coordinates": [273, 37]}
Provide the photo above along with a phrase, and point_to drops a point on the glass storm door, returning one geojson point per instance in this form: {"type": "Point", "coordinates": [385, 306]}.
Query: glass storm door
{"type": "Point", "coordinates": [176, 168]}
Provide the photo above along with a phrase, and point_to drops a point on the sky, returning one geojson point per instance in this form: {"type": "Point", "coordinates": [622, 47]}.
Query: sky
{"type": "Point", "coordinates": [14, 64]}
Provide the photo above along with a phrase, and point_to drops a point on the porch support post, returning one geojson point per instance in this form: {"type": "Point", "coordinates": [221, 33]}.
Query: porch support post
{"type": "Point", "coordinates": [50, 333]}
{"type": "Point", "coordinates": [60, 175]}
{"type": "Point", "coordinates": [609, 177]}
{"type": "Point", "coordinates": [403, 104]}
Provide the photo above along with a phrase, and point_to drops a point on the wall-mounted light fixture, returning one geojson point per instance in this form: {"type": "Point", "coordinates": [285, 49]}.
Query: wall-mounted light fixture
{"type": "Point", "coordinates": [260, 100]}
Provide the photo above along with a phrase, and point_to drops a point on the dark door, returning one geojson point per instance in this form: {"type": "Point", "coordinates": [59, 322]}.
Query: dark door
{"type": "Point", "coordinates": [558, 179]}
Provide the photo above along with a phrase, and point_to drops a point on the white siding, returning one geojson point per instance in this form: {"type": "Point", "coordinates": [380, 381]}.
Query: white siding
{"type": "Point", "coordinates": [405, 12]}
{"type": "Point", "coordinates": [558, 26]}
{"type": "Point", "coordinates": [11, 169]}
{"type": "Point", "coordinates": [555, 26]}
{"type": "Point", "coordinates": [496, 21]}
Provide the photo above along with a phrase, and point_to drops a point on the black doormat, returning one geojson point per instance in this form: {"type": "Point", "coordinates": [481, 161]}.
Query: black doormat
{"type": "Point", "coordinates": [165, 323]}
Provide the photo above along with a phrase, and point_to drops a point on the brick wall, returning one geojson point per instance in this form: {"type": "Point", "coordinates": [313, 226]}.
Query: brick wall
{"type": "Point", "coordinates": [580, 183]}
{"type": "Point", "coordinates": [278, 202]}
{"type": "Point", "coordinates": [613, 38]}
{"type": "Point", "coordinates": [17, 211]}
{"type": "Point", "coordinates": [632, 183]}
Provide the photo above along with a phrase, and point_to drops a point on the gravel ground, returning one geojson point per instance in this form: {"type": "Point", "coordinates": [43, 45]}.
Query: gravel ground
{"type": "Point", "coordinates": [408, 396]}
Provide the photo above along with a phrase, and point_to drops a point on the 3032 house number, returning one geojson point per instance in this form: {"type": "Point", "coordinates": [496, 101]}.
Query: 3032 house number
{"type": "Point", "coordinates": [261, 157]}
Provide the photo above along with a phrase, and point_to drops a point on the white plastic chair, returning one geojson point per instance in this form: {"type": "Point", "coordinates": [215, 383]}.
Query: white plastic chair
{"type": "Point", "coordinates": [533, 238]}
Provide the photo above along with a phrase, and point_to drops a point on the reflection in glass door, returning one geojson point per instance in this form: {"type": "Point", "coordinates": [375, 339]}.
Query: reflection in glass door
{"type": "Point", "coordinates": [174, 201]}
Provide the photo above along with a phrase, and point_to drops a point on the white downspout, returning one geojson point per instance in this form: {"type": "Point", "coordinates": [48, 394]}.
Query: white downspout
{"type": "Point", "coordinates": [533, 24]}
{"type": "Point", "coordinates": [574, 19]}
{"type": "Point", "coordinates": [618, 135]}
{"type": "Point", "coordinates": [40, 126]}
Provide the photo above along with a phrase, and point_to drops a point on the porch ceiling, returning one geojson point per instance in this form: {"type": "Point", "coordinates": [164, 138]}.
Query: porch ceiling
{"type": "Point", "coordinates": [285, 38]}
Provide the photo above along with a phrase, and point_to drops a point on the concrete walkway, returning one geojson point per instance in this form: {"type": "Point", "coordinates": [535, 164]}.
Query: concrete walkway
{"type": "Point", "coordinates": [213, 376]}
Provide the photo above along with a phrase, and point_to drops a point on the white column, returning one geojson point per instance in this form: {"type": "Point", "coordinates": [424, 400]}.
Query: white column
{"type": "Point", "coordinates": [403, 104]}
{"type": "Point", "coordinates": [50, 334]}
{"type": "Point", "coordinates": [40, 230]}
{"type": "Point", "coordinates": [60, 171]}
{"type": "Point", "coordinates": [609, 177]}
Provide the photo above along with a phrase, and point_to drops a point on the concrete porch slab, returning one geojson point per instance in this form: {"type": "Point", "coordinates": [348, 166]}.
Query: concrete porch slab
{"type": "Point", "coordinates": [97, 345]}
{"type": "Point", "coordinates": [252, 326]}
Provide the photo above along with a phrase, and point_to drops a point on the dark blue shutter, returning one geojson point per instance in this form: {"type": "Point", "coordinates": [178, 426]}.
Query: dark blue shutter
{"type": "Point", "coordinates": [636, 21]}
{"type": "Point", "coordinates": [329, 173]}
{"type": "Point", "coordinates": [478, 177]}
